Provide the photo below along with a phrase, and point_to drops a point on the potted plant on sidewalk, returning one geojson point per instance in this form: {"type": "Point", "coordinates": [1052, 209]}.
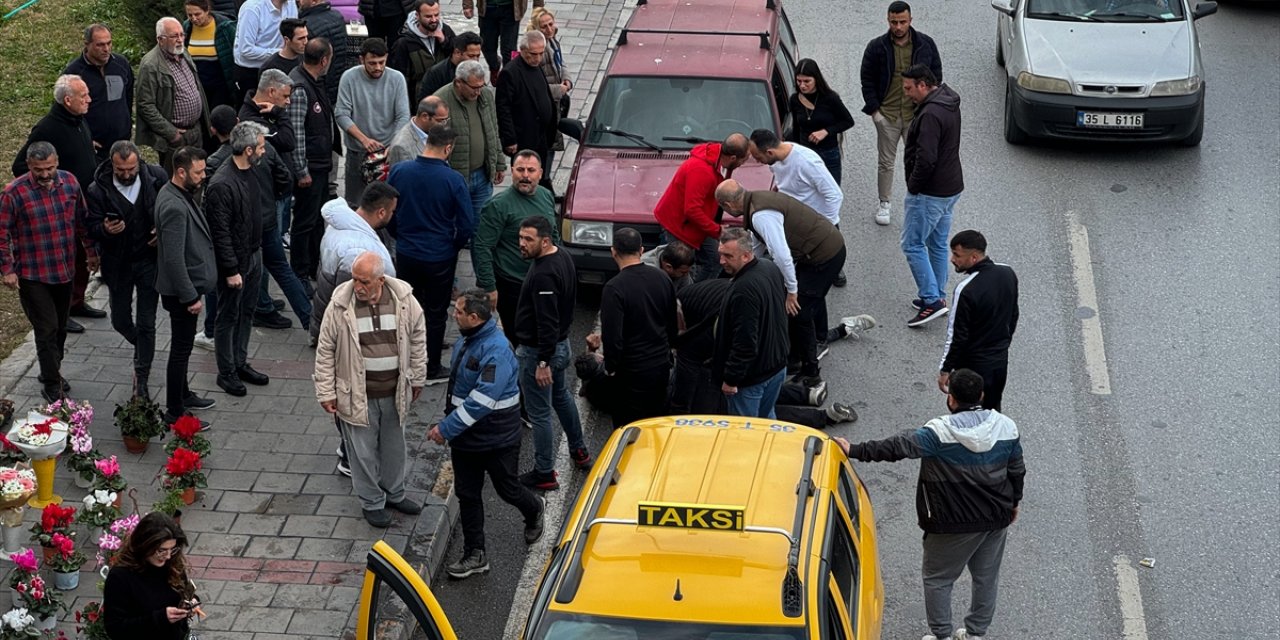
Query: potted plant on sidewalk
{"type": "Point", "coordinates": [182, 473]}
{"type": "Point", "coordinates": [98, 512]}
{"type": "Point", "coordinates": [186, 434]}
{"type": "Point", "coordinates": [54, 520]}
{"type": "Point", "coordinates": [41, 602]}
{"type": "Point", "coordinates": [110, 540]}
{"type": "Point", "coordinates": [171, 503]}
{"type": "Point", "coordinates": [140, 420]}
{"type": "Point", "coordinates": [66, 563]}
{"type": "Point", "coordinates": [89, 622]}
{"type": "Point", "coordinates": [107, 477]}
{"type": "Point", "coordinates": [18, 624]}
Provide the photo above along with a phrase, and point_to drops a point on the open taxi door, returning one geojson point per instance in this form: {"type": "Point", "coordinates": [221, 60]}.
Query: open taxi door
{"type": "Point", "coordinates": [385, 566]}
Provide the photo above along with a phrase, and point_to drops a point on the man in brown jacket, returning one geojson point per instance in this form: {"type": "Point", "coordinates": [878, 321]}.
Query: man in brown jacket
{"type": "Point", "coordinates": [371, 364]}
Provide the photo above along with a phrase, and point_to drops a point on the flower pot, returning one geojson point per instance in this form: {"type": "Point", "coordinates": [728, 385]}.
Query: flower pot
{"type": "Point", "coordinates": [66, 581]}
{"type": "Point", "coordinates": [49, 553]}
{"type": "Point", "coordinates": [134, 445]}
{"type": "Point", "coordinates": [82, 482]}
{"type": "Point", "coordinates": [119, 497]}
{"type": "Point", "coordinates": [13, 539]}
{"type": "Point", "coordinates": [47, 623]}
{"type": "Point", "coordinates": [189, 496]}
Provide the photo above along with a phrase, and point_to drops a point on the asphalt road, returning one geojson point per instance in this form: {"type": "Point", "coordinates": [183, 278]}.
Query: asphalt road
{"type": "Point", "coordinates": [1178, 248]}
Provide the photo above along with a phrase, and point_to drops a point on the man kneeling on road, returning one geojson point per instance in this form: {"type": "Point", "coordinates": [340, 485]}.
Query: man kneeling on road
{"type": "Point", "coordinates": [483, 429]}
{"type": "Point", "coordinates": [371, 363]}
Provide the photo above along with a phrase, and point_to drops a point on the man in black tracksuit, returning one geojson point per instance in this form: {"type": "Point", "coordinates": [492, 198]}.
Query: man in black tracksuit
{"type": "Point", "coordinates": [637, 327]}
{"type": "Point", "coordinates": [121, 217]}
{"type": "Point", "coordinates": [750, 357]}
{"type": "Point", "coordinates": [983, 318]}
{"type": "Point", "coordinates": [967, 495]}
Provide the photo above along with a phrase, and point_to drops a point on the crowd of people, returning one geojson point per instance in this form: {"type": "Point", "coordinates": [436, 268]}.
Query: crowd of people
{"type": "Point", "coordinates": [250, 118]}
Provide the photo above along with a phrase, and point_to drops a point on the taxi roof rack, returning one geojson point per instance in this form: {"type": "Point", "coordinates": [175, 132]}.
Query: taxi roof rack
{"type": "Point", "coordinates": [792, 587]}
{"type": "Point", "coordinates": [573, 576]}
{"type": "Point", "coordinates": [763, 35]}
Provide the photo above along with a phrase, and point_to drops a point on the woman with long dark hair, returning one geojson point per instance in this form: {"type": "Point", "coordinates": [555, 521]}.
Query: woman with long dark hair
{"type": "Point", "coordinates": [148, 594]}
{"type": "Point", "coordinates": [818, 116]}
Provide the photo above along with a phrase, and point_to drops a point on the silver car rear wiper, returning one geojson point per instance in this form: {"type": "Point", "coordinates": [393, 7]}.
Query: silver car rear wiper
{"type": "Point", "coordinates": [631, 136]}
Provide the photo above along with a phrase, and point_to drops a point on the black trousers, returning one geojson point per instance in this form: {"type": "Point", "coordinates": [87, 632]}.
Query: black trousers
{"type": "Point", "coordinates": [993, 378]}
{"type": "Point", "coordinates": [386, 28]}
{"type": "Point", "coordinates": [432, 284]}
{"type": "Point", "coordinates": [182, 324]}
{"type": "Point", "coordinates": [813, 282]}
{"type": "Point", "coordinates": [508, 298]}
{"type": "Point", "coordinates": [307, 228]}
{"type": "Point", "coordinates": [233, 323]}
{"type": "Point", "coordinates": [693, 390]}
{"type": "Point", "coordinates": [498, 25]}
{"type": "Point", "coordinates": [47, 307]}
{"type": "Point", "coordinates": [139, 330]}
{"type": "Point", "coordinates": [640, 394]}
{"type": "Point", "coordinates": [246, 81]}
{"type": "Point", "coordinates": [469, 469]}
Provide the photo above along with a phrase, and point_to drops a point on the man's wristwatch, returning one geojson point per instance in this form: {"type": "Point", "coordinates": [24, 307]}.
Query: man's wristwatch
{"type": "Point", "coordinates": [542, 364]}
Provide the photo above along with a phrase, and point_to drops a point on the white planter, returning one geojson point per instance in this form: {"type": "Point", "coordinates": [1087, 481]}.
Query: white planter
{"type": "Point", "coordinates": [13, 539]}
{"type": "Point", "coordinates": [47, 624]}
{"type": "Point", "coordinates": [66, 581]}
{"type": "Point", "coordinates": [81, 481]}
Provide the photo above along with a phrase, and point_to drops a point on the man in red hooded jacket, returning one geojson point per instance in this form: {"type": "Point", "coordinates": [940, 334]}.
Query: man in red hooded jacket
{"type": "Point", "coordinates": [687, 210]}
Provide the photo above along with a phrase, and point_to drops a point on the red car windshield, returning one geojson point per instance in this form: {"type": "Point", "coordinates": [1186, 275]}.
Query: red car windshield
{"type": "Point", "coordinates": [653, 108]}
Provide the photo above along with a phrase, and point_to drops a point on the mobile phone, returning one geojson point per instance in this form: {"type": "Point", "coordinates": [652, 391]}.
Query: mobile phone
{"type": "Point", "coordinates": [113, 216]}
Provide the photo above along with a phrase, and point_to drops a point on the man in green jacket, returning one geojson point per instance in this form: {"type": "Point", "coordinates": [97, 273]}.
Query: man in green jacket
{"type": "Point", "coordinates": [495, 248]}
{"type": "Point", "coordinates": [172, 110]}
{"type": "Point", "coordinates": [477, 154]}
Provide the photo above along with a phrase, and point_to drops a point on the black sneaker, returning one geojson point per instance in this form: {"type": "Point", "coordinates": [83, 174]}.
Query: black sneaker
{"type": "Point", "coordinates": [278, 304]}
{"type": "Point", "coordinates": [343, 468]}
{"type": "Point", "coordinates": [534, 531]}
{"type": "Point", "coordinates": [839, 412]}
{"type": "Point", "coordinates": [86, 311]}
{"type": "Point", "coordinates": [406, 506]}
{"type": "Point", "coordinates": [581, 458]}
{"type": "Point", "coordinates": [436, 374]}
{"type": "Point", "coordinates": [232, 385]}
{"type": "Point", "coordinates": [540, 481]}
{"type": "Point", "coordinates": [840, 280]}
{"type": "Point", "coordinates": [378, 518]}
{"type": "Point", "coordinates": [824, 348]}
{"type": "Point", "coordinates": [195, 402]}
{"type": "Point", "coordinates": [471, 563]}
{"type": "Point", "coordinates": [169, 419]}
{"type": "Point", "coordinates": [917, 304]}
{"type": "Point", "coordinates": [271, 320]}
{"type": "Point", "coordinates": [929, 313]}
{"type": "Point", "coordinates": [51, 394]}
{"type": "Point", "coordinates": [252, 376]}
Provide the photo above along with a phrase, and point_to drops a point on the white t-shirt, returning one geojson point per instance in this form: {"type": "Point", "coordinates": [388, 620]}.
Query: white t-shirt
{"type": "Point", "coordinates": [803, 176]}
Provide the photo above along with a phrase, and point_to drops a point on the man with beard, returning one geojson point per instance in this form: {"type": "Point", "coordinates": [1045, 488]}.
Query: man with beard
{"type": "Point", "coordinates": [434, 221]}
{"type": "Point", "coordinates": [372, 106]}
{"type": "Point", "coordinates": [466, 46]}
{"type": "Point", "coordinates": [323, 21]}
{"type": "Point", "coordinates": [110, 81]}
{"type": "Point", "coordinates": [42, 216]}
{"type": "Point", "coordinates": [985, 316]}
{"type": "Point", "coordinates": [185, 272]}
{"type": "Point", "coordinates": [172, 111]}
{"type": "Point", "coordinates": [424, 41]}
{"type": "Point", "coordinates": [478, 155]}
{"type": "Point", "coordinates": [67, 130]}
{"type": "Point", "coordinates": [495, 252]}
{"type": "Point", "coordinates": [750, 355]}
{"type": "Point", "coordinates": [235, 218]}
{"type": "Point", "coordinates": [294, 33]}
{"type": "Point", "coordinates": [527, 114]}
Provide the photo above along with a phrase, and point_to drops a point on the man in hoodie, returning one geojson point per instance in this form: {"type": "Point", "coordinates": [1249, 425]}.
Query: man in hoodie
{"type": "Point", "coordinates": [66, 129]}
{"type": "Point", "coordinates": [424, 40]}
{"type": "Point", "coordinates": [967, 495]}
{"type": "Point", "coordinates": [931, 161]}
{"type": "Point", "coordinates": [984, 318]}
{"type": "Point", "coordinates": [688, 210]}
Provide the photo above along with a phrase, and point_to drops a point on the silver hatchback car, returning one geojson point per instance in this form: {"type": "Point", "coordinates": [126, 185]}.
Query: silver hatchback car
{"type": "Point", "coordinates": [1124, 70]}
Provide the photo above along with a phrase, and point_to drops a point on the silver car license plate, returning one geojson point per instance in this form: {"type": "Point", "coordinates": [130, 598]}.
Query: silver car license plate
{"type": "Point", "coordinates": [1104, 120]}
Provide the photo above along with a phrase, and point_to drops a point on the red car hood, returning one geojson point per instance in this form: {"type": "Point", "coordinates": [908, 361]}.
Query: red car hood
{"type": "Point", "coordinates": [624, 186]}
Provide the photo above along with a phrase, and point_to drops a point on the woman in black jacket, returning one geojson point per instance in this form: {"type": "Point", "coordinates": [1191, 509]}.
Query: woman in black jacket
{"type": "Point", "coordinates": [148, 594]}
{"type": "Point", "coordinates": [818, 116]}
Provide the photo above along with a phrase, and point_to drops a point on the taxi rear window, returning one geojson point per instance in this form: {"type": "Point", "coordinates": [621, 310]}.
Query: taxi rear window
{"type": "Point", "coordinates": [566, 626]}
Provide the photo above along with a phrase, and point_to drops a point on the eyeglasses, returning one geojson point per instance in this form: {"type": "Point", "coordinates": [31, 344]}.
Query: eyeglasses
{"type": "Point", "coordinates": [444, 120]}
{"type": "Point", "coordinates": [169, 552]}
{"type": "Point", "coordinates": [475, 87]}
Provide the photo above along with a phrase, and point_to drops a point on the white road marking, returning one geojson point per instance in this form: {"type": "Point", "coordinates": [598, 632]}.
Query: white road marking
{"type": "Point", "coordinates": [1130, 592]}
{"type": "Point", "coordinates": [1095, 354]}
{"type": "Point", "coordinates": [539, 552]}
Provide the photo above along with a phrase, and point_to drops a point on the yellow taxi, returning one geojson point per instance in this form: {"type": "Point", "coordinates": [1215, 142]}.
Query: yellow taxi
{"type": "Point", "coordinates": [697, 528]}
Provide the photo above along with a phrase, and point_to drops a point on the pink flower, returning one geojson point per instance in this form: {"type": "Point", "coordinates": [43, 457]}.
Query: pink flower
{"type": "Point", "coordinates": [109, 467]}
{"type": "Point", "coordinates": [37, 582]}
{"type": "Point", "coordinates": [26, 561]}
{"type": "Point", "coordinates": [21, 587]}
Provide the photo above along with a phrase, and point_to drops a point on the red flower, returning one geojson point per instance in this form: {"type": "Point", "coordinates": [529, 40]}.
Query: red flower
{"type": "Point", "coordinates": [44, 428]}
{"type": "Point", "coordinates": [65, 546]}
{"type": "Point", "coordinates": [55, 517]}
{"type": "Point", "coordinates": [182, 462]}
{"type": "Point", "coordinates": [8, 446]}
{"type": "Point", "coordinates": [186, 427]}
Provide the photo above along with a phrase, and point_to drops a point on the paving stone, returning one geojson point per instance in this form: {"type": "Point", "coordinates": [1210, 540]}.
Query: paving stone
{"type": "Point", "coordinates": [302, 596]}
{"type": "Point", "coordinates": [318, 622]}
{"type": "Point", "coordinates": [299, 504]}
{"type": "Point", "coordinates": [272, 547]}
{"type": "Point", "coordinates": [220, 617]}
{"type": "Point", "coordinates": [247, 593]}
{"type": "Point", "coordinates": [231, 480]}
{"type": "Point", "coordinates": [355, 529]}
{"type": "Point", "coordinates": [343, 598]}
{"type": "Point", "coordinates": [328, 485]}
{"type": "Point", "coordinates": [262, 619]}
{"type": "Point", "coordinates": [309, 526]}
{"type": "Point", "coordinates": [244, 502]}
{"type": "Point", "coordinates": [312, 464]}
{"type": "Point", "coordinates": [273, 482]}
{"type": "Point", "coordinates": [200, 520]}
{"type": "Point", "coordinates": [221, 544]}
{"type": "Point", "coordinates": [323, 549]}
{"type": "Point", "coordinates": [264, 461]}
{"type": "Point", "coordinates": [257, 524]}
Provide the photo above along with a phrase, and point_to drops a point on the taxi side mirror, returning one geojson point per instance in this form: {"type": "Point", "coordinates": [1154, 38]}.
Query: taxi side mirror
{"type": "Point", "coordinates": [1003, 6]}
{"type": "Point", "coordinates": [1204, 9]}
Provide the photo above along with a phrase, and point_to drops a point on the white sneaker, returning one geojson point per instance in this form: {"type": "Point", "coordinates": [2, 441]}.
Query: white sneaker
{"type": "Point", "coordinates": [961, 634]}
{"type": "Point", "coordinates": [882, 214]}
{"type": "Point", "coordinates": [204, 341]}
{"type": "Point", "coordinates": [933, 637]}
{"type": "Point", "coordinates": [854, 326]}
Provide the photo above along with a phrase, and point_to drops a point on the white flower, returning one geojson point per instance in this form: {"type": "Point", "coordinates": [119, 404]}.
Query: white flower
{"type": "Point", "coordinates": [103, 496]}
{"type": "Point", "coordinates": [89, 502]}
{"type": "Point", "coordinates": [17, 619]}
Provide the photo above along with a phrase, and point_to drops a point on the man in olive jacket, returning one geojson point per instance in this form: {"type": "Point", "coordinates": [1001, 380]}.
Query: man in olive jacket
{"type": "Point", "coordinates": [479, 160]}
{"type": "Point", "coordinates": [172, 109]}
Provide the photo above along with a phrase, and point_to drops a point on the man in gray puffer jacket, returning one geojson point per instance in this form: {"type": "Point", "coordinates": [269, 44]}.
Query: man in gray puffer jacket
{"type": "Point", "coordinates": [347, 235]}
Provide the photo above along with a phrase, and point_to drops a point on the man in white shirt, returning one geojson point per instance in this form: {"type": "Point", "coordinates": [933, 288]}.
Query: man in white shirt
{"type": "Point", "coordinates": [258, 39]}
{"type": "Point", "coordinates": [799, 172]}
{"type": "Point", "coordinates": [411, 139]}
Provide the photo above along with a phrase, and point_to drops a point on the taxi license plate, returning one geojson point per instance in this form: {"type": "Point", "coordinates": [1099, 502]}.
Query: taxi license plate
{"type": "Point", "coordinates": [1100, 120]}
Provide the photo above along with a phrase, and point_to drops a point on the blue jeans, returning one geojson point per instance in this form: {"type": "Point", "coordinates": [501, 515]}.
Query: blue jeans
{"type": "Point", "coordinates": [831, 158]}
{"type": "Point", "coordinates": [538, 402]}
{"type": "Point", "coordinates": [757, 400]}
{"type": "Point", "coordinates": [481, 187]}
{"type": "Point", "coordinates": [926, 225]}
{"type": "Point", "coordinates": [276, 263]}
{"type": "Point", "coordinates": [283, 206]}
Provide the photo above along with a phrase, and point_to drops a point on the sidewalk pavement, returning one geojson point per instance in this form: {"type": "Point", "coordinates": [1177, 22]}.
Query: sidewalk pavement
{"type": "Point", "coordinates": [277, 540]}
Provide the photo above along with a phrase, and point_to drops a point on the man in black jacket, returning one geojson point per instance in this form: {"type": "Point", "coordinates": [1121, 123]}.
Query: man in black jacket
{"type": "Point", "coordinates": [233, 204]}
{"type": "Point", "coordinates": [935, 180]}
{"type": "Point", "coordinates": [527, 114]}
{"type": "Point", "coordinates": [983, 318]}
{"type": "Point", "coordinates": [121, 217]}
{"type": "Point", "coordinates": [318, 138]}
{"type": "Point", "coordinates": [323, 21]}
{"type": "Point", "coordinates": [967, 495]}
{"type": "Point", "coordinates": [424, 40]}
{"type": "Point", "coordinates": [110, 81]}
{"type": "Point", "coordinates": [65, 128]}
{"type": "Point", "coordinates": [466, 46]}
{"type": "Point", "coordinates": [750, 358]}
{"type": "Point", "coordinates": [637, 328]}
{"type": "Point", "coordinates": [883, 62]}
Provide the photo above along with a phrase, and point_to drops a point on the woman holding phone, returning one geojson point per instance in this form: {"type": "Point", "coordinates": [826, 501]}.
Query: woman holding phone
{"type": "Point", "coordinates": [148, 594]}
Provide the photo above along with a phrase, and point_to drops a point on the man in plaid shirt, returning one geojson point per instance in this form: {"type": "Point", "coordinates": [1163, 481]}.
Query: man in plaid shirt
{"type": "Point", "coordinates": [41, 219]}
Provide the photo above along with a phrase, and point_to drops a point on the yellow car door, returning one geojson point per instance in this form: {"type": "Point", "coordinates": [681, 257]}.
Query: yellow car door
{"type": "Point", "coordinates": [386, 567]}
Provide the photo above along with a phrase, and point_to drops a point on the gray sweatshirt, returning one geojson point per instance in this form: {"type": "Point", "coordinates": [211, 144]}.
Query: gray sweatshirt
{"type": "Point", "coordinates": [379, 107]}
